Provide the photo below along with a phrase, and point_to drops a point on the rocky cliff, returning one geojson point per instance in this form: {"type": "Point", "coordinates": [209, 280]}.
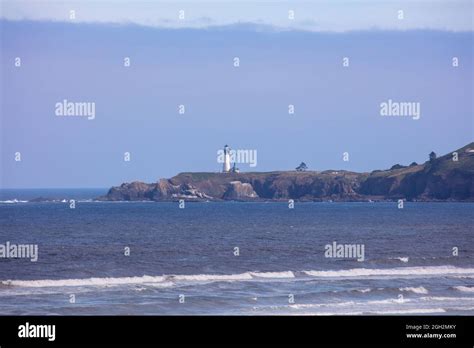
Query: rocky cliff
{"type": "Point", "coordinates": [440, 178]}
{"type": "Point", "coordinates": [443, 178]}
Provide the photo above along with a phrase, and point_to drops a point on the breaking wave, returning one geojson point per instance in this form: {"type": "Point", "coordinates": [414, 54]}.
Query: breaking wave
{"type": "Point", "coordinates": [83, 282]}
{"type": "Point", "coordinates": [13, 201]}
{"type": "Point", "coordinates": [434, 271]}
{"type": "Point", "coordinates": [464, 288]}
{"type": "Point", "coordinates": [146, 280]}
{"type": "Point", "coordinates": [418, 290]}
{"type": "Point", "coordinates": [394, 272]}
{"type": "Point", "coordinates": [402, 259]}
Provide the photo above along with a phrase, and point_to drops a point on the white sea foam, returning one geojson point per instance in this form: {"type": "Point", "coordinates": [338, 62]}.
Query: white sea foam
{"type": "Point", "coordinates": [83, 282]}
{"type": "Point", "coordinates": [409, 311]}
{"type": "Point", "coordinates": [394, 272]}
{"type": "Point", "coordinates": [12, 201]}
{"type": "Point", "coordinates": [387, 301]}
{"type": "Point", "coordinates": [357, 308]}
{"type": "Point", "coordinates": [385, 306]}
{"type": "Point", "coordinates": [212, 277]}
{"type": "Point", "coordinates": [233, 277]}
{"type": "Point", "coordinates": [444, 298]}
{"type": "Point", "coordinates": [317, 305]}
{"type": "Point", "coordinates": [274, 275]}
{"type": "Point", "coordinates": [160, 284]}
{"type": "Point", "coordinates": [389, 311]}
{"type": "Point", "coordinates": [364, 290]}
{"type": "Point", "coordinates": [386, 312]}
{"type": "Point", "coordinates": [464, 288]}
{"type": "Point", "coordinates": [418, 290]}
{"type": "Point", "coordinates": [336, 313]}
{"type": "Point", "coordinates": [461, 308]}
{"type": "Point", "coordinates": [402, 259]}
{"type": "Point", "coordinates": [155, 281]}
{"type": "Point", "coordinates": [248, 276]}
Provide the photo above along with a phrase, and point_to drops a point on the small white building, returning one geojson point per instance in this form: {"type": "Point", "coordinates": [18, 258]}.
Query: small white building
{"type": "Point", "coordinates": [226, 167]}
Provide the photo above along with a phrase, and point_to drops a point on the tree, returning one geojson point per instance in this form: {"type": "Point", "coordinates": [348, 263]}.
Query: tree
{"type": "Point", "coordinates": [302, 167]}
{"type": "Point", "coordinates": [432, 156]}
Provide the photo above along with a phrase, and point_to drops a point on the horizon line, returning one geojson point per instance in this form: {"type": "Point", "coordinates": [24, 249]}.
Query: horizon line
{"type": "Point", "coordinates": [244, 26]}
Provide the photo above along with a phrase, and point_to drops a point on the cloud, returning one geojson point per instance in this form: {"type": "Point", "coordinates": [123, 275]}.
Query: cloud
{"type": "Point", "coordinates": [323, 15]}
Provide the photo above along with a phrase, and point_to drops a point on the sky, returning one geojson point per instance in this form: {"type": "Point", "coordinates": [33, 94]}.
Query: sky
{"type": "Point", "coordinates": [312, 15]}
{"type": "Point", "coordinates": [190, 62]}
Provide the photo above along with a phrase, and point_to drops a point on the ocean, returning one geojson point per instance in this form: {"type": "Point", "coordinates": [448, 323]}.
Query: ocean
{"type": "Point", "coordinates": [234, 258]}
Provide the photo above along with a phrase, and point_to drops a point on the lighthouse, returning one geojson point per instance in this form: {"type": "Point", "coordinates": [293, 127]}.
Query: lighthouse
{"type": "Point", "coordinates": [226, 167]}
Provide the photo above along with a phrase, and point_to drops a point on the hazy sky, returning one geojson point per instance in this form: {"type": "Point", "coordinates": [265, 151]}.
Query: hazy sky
{"type": "Point", "coordinates": [314, 15]}
{"type": "Point", "coordinates": [337, 108]}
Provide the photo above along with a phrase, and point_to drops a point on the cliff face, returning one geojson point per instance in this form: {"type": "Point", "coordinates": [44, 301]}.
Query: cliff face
{"type": "Point", "coordinates": [438, 179]}
{"type": "Point", "coordinates": [244, 186]}
{"type": "Point", "coordinates": [239, 191]}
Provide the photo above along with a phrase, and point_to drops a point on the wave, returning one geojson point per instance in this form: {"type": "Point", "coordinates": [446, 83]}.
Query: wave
{"type": "Point", "coordinates": [464, 288]}
{"type": "Point", "coordinates": [387, 306]}
{"type": "Point", "coordinates": [402, 259]}
{"type": "Point", "coordinates": [288, 274]}
{"type": "Point", "coordinates": [444, 298]}
{"type": "Point", "coordinates": [389, 301]}
{"type": "Point", "coordinates": [376, 307]}
{"type": "Point", "coordinates": [12, 201]}
{"type": "Point", "coordinates": [363, 290]}
{"type": "Point", "coordinates": [167, 280]}
{"type": "Point", "coordinates": [344, 304]}
{"type": "Point", "coordinates": [385, 312]}
{"type": "Point", "coordinates": [384, 304]}
{"type": "Point", "coordinates": [249, 276]}
{"type": "Point", "coordinates": [83, 282]}
{"type": "Point", "coordinates": [465, 309]}
{"type": "Point", "coordinates": [418, 290]}
{"type": "Point", "coordinates": [211, 277]}
{"type": "Point", "coordinates": [351, 303]}
{"type": "Point", "coordinates": [409, 311]}
{"type": "Point", "coordinates": [394, 272]}
{"type": "Point", "coordinates": [318, 305]}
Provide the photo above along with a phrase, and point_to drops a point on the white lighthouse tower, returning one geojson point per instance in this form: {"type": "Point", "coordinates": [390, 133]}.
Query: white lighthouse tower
{"type": "Point", "coordinates": [226, 167]}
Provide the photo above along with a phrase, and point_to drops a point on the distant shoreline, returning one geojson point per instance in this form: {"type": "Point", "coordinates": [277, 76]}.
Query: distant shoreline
{"type": "Point", "coordinates": [67, 201]}
{"type": "Point", "coordinates": [440, 179]}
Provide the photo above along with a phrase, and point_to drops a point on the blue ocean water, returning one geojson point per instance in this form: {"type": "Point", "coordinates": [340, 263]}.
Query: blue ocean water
{"type": "Point", "coordinates": [186, 261]}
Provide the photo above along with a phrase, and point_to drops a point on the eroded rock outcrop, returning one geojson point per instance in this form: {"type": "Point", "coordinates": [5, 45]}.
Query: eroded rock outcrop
{"type": "Point", "coordinates": [239, 191]}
